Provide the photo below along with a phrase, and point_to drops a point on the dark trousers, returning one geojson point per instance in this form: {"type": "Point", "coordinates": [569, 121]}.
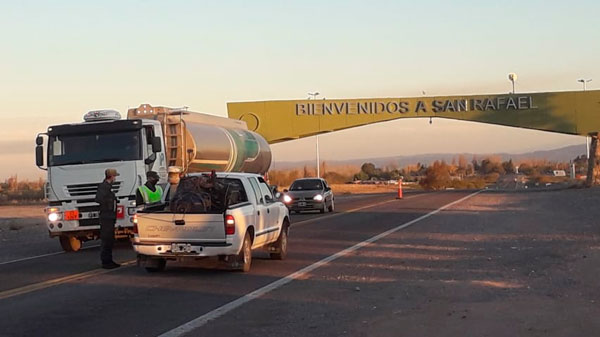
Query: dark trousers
{"type": "Point", "coordinates": [107, 238]}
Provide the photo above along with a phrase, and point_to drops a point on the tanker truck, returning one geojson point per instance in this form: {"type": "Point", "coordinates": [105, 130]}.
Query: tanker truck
{"type": "Point", "coordinates": [149, 139]}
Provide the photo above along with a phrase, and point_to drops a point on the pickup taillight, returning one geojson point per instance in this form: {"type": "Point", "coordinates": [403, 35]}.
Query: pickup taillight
{"type": "Point", "coordinates": [135, 224]}
{"type": "Point", "coordinates": [229, 225]}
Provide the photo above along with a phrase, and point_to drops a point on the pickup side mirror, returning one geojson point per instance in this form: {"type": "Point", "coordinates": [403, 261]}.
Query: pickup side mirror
{"type": "Point", "coordinates": [277, 195]}
{"type": "Point", "coordinates": [268, 199]}
{"type": "Point", "coordinates": [156, 144]}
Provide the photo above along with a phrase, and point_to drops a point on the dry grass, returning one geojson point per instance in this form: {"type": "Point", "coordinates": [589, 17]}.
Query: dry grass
{"type": "Point", "coordinates": [340, 189]}
{"type": "Point", "coordinates": [22, 211]}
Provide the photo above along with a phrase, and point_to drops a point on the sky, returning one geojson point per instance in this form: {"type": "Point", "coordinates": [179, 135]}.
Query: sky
{"type": "Point", "coordinates": [60, 59]}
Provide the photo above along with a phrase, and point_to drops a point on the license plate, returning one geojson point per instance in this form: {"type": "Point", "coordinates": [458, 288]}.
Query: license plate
{"type": "Point", "coordinates": [90, 215]}
{"type": "Point", "coordinates": [302, 204]}
{"type": "Point", "coordinates": [181, 247]}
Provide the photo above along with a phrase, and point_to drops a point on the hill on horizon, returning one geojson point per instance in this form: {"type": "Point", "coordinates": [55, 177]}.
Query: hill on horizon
{"type": "Point", "coordinates": [563, 154]}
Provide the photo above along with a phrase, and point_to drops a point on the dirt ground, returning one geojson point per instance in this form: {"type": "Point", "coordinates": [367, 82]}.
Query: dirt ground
{"type": "Point", "coordinates": [21, 225]}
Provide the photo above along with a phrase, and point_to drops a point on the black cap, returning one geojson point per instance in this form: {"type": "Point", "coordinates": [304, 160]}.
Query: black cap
{"type": "Point", "coordinates": [152, 174]}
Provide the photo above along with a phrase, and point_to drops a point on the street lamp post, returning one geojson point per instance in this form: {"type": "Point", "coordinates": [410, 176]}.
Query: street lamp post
{"type": "Point", "coordinates": [314, 96]}
{"type": "Point", "coordinates": [318, 159]}
{"type": "Point", "coordinates": [513, 78]}
{"type": "Point", "coordinates": [584, 82]}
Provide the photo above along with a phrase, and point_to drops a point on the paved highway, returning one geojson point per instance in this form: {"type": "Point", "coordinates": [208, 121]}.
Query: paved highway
{"type": "Point", "coordinates": [433, 264]}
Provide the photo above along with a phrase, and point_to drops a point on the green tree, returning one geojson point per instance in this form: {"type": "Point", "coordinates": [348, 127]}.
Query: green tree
{"type": "Point", "coordinates": [369, 169]}
{"type": "Point", "coordinates": [437, 176]}
{"type": "Point", "coordinates": [509, 167]}
{"type": "Point", "coordinates": [361, 176]}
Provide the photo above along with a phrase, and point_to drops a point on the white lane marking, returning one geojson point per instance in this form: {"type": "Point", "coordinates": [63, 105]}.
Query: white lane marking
{"type": "Point", "coordinates": [43, 255]}
{"type": "Point", "coordinates": [220, 311]}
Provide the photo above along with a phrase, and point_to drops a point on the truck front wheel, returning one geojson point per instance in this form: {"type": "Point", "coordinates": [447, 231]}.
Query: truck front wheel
{"type": "Point", "coordinates": [70, 243]}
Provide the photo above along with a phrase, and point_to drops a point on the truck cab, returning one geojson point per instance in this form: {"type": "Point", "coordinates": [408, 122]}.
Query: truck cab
{"type": "Point", "coordinates": [76, 156]}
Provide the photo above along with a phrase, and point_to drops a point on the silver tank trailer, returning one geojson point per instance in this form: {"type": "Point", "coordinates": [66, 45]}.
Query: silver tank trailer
{"type": "Point", "coordinates": [199, 142]}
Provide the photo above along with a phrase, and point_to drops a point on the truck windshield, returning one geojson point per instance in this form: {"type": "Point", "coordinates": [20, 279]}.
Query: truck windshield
{"type": "Point", "coordinates": [76, 149]}
{"type": "Point", "coordinates": [306, 184]}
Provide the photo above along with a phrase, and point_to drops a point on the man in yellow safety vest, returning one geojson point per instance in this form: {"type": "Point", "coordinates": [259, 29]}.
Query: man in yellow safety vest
{"type": "Point", "coordinates": [150, 192]}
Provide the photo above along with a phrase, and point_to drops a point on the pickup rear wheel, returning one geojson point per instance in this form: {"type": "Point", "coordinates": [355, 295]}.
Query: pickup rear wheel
{"type": "Point", "coordinates": [245, 256]}
{"type": "Point", "coordinates": [70, 243]}
{"type": "Point", "coordinates": [281, 243]}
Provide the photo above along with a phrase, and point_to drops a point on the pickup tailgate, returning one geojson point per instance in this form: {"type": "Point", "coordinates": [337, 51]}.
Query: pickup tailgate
{"type": "Point", "coordinates": [167, 228]}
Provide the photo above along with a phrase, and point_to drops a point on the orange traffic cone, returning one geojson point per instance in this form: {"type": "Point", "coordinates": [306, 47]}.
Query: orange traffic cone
{"type": "Point", "coordinates": [399, 189]}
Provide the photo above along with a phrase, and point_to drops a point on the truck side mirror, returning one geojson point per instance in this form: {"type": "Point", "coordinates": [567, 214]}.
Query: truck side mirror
{"type": "Point", "coordinates": [156, 145]}
{"type": "Point", "coordinates": [39, 156]}
{"type": "Point", "coordinates": [39, 151]}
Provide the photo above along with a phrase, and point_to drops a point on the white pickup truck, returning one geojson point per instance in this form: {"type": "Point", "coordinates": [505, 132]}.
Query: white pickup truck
{"type": "Point", "coordinates": [239, 214]}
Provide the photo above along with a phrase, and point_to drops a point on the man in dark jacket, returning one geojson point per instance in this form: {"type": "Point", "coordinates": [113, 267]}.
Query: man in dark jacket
{"type": "Point", "coordinates": [108, 216]}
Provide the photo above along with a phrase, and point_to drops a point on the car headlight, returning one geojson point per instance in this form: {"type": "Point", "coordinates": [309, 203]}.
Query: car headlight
{"type": "Point", "coordinates": [287, 199]}
{"type": "Point", "coordinates": [54, 216]}
{"type": "Point", "coordinates": [318, 197]}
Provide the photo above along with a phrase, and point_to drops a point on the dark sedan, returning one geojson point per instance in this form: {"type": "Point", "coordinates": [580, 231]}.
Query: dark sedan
{"type": "Point", "coordinates": [309, 194]}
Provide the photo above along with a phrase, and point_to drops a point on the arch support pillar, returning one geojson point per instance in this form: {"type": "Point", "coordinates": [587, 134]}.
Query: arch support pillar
{"type": "Point", "coordinates": [593, 173]}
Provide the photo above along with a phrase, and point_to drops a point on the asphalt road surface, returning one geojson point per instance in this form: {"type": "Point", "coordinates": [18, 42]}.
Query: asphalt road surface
{"type": "Point", "coordinates": [454, 263]}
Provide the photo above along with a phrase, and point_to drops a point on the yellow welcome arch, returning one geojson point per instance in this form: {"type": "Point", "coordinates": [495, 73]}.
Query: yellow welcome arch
{"type": "Point", "coordinates": [574, 112]}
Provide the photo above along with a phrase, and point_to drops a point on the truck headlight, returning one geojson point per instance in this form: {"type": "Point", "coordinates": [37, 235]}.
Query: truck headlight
{"type": "Point", "coordinates": [287, 199]}
{"type": "Point", "coordinates": [54, 216]}
{"type": "Point", "coordinates": [318, 197]}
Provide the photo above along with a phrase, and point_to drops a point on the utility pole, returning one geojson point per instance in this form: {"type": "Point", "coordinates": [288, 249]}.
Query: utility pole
{"type": "Point", "coordinates": [592, 160]}
{"type": "Point", "coordinates": [318, 159]}
{"type": "Point", "coordinates": [314, 96]}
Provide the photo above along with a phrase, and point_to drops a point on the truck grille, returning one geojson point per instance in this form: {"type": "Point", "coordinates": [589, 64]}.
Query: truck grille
{"type": "Point", "coordinates": [89, 222]}
{"type": "Point", "coordinates": [87, 190]}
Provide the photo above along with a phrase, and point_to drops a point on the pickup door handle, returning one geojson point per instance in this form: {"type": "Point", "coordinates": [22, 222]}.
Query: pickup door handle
{"type": "Point", "coordinates": [268, 210]}
{"type": "Point", "coordinates": [258, 213]}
